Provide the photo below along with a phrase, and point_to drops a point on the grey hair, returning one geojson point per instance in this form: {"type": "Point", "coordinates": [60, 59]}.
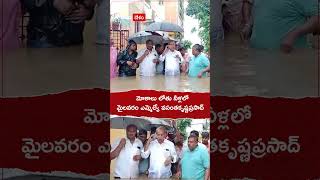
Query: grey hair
{"type": "Point", "coordinates": [198, 47]}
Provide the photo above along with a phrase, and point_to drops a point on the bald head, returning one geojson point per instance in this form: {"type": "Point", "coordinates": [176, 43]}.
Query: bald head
{"type": "Point", "coordinates": [161, 129]}
{"type": "Point", "coordinates": [161, 133]}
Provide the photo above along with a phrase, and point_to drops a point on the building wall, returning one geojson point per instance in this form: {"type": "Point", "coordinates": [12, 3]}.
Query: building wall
{"type": "Point", "coordinates": [160, 10]}
{"type": "Point", "coordinates": [171, 14]}
{"type": "Point", "coordinates": [119, 8]}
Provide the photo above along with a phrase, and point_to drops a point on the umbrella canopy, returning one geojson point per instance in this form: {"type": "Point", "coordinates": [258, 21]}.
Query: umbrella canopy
{"type": "Point", "coordinates": [166, 39]}
{"type": "Point", "coordinates": [142, 36]}
{"type": "Point", "coordinates": [164, 26]}
{"type": "Point", "coordinates": [141, 123]}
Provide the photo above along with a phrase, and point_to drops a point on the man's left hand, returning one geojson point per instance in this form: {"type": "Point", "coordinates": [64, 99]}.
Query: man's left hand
{"type": "Point", "coordinates": [79, 15]}
{"type": "Point", "coordinates": [287, 43]}
{"type": "Point", "coordinates": [200, 74]}
{"type": "Point", "coordinates": [168, 161]}
{"type": "Point", "coordinates": [134, 65]}
{"type": "Point", "coordinates": [136, 158]}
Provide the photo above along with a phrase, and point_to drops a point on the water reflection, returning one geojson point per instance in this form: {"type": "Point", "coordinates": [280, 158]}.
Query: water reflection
{"type": "Point", "coordinates": [33, 72]}
{"type": "Point", "coordinates": [240, 71]}
{"type": "Point", "coordinates": [180, 83]}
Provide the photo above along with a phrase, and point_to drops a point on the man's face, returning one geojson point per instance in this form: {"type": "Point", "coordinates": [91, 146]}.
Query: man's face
{"type": "Point", "coordinates": [195, 52]}
{"type": "Point", "coordinates": [171, 136]}
{"type": "Point", "coordinates": [183, 52]}
{"type": "Point", "coordinates": [179, 139]}
{"type": "Point", "coordinates": [205, 140]}
{"type": "Point", "coordinates": [172, 46]}
{"type": "Point", "coordinates": [193, 134]}
{"type": "Point", "coordinates": [131, 133]}
{"type": "Point", "coordinates": [142, 137]}
{"type": "Point", "coordinates": [161, 136]}
{"type": "Point", "coordinates": [149, 45]}
{"type": "Point", "coordinates": [160, 49]}
{"type": "Point", "coordinates": [192, 143]}
{"type": "Point", "coordinates": [133, 47]}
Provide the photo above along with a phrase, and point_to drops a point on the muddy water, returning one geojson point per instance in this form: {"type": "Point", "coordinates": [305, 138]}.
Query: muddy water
{"type": "Point", "coordinates": [180, 83]}
{"type": "Point", "coordinates": [33, 72]}
{"type": "Point", "coordinates": [240, 71]}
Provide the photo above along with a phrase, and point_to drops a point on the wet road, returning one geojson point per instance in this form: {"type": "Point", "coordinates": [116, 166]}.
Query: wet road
{"type": "Point", "coordinates": [241, 71]}
{"type": "Point", "coordinates": [180, 83]}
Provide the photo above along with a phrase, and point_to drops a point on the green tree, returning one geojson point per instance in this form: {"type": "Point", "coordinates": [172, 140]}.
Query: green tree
{"type": "Point", "coordinates": [182, 125]}
{"type": "Point", "coordinates": [193, 30]}
{"type": "Point", "coordinates": [178, 36]}
{"type": "Point", "coordinates": [186, 44]}
{"type": "Point", "coordinates": [206, 126]}
{"type": "Point", "coordinates": [200, 9]}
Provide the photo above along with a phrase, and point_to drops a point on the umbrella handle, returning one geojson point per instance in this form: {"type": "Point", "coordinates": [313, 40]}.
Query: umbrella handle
{"type": "Point", "coordinates": [123, 123]}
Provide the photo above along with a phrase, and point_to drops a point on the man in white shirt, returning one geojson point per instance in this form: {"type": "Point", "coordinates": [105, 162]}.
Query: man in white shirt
{"type": "Point", "coordinates": [162, 153]}
{"type": "Point", "coordinates": [127, 152]}
{"type": "Point", "coordinates": [147, 59]}
{"type": "Point", "coordinates": [173, 59]}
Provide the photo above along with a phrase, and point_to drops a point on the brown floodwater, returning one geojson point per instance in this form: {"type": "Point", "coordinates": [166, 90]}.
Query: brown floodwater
{"type": "Point", "coordinates": [180, 83]}
{"type": "Point", "coordinates": [241, 71]}
{"type": "Point", "coordinates": [33, 72]}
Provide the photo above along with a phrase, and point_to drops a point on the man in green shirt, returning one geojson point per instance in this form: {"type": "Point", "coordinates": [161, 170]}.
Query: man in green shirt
{"type": "Point", "coordinates": [281, 24]}
{"type": "Point", "coordinates": [195, 162]}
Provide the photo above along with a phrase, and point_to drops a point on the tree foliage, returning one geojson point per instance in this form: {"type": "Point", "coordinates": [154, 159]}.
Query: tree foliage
{"type": "Point", "coordinates": [206, 126]}
{"type": "Point", "coordinates": [186, 44]}
{"type": "Point", "coordinates": [183, 124]}
{"type": "Point", "coordinates": [200, 9]}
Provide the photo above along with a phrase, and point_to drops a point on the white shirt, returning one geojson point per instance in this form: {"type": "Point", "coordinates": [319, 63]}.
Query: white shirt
{"type": "Point", "coordinates": [172, 65]}
{"type": "Point", "coordinates": [125, 166]}
{"type": "Point", "coordinates": [158, 154]}
{"type": "Point", "coordinates": [147, 66]}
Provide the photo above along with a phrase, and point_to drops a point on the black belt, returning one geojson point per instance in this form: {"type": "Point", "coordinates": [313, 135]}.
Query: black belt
{"type": "Point", "coordinates": [117, 177]}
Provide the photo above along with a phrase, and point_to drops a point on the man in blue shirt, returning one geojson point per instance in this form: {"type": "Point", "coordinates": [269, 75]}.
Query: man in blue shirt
{"type": "Point", "coordinates": [195, 163]}
{"type": "Point", "coordinates": [199, 63]}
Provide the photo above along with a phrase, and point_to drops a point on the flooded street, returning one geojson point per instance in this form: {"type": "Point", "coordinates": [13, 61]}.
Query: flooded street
{"type": "Point", "coordinates": [33, 72]}
{"type": "Point", "coordinates": [240, 71]}
{"type": "Point", "coordinates": [40, 71]}
{"type": "Point", "coordinates": [180, 83]}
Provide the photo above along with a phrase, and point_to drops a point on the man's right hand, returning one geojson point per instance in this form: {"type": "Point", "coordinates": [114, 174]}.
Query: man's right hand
{"type": "Point", "coordinates": [178, 174]}
{"type": "Point", "coordinates": [122, 142]}
{"type": "Point", "coordinates": [146, 53]}
{"type": "Point", "coordinates": [288, 42]}
{"type": "Point", "coordinates": [79, 15]}
{"type": "Point", "coordinates": [245, 32]}
{"type": "Point", "coordinates": [151, 138]}
{"type": "Point", "coordinates": [166, 50]}
{"type": "Point", "coordinates": [65, 7]}
{"type": "Point", "coordinates": [129, 63]}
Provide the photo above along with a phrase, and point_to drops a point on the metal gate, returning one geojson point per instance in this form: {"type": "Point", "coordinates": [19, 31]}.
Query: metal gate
{"type": "Point", "coordinates": [120, 38]}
